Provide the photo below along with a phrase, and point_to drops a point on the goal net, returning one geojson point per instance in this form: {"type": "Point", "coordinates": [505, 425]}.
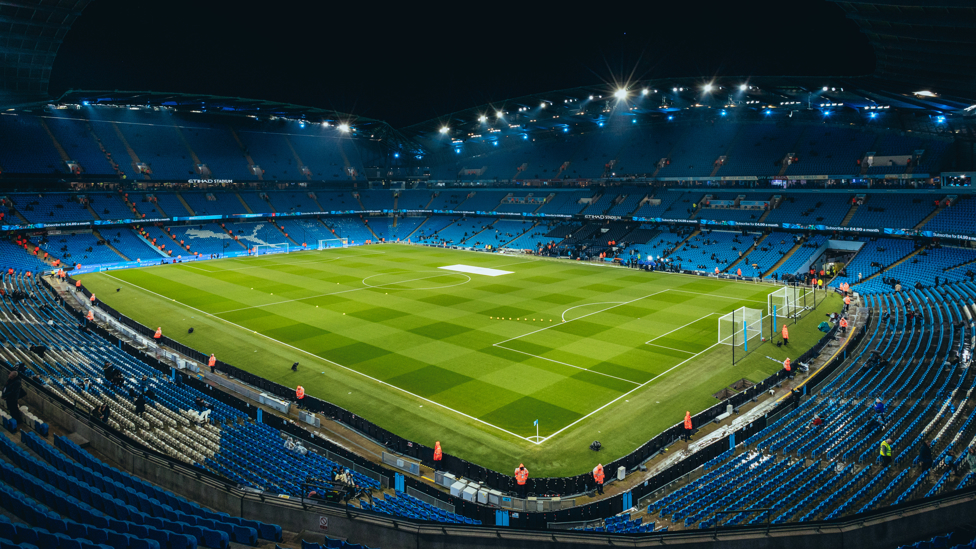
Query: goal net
{"type": "Point", "coordinates": [789, 301]}
{"type": "Point", "coordinates": [740, 326]}
{"type": "Point", "coordinates": [333, 243]}
{"type": "Point", "coordinates": [267, 249]}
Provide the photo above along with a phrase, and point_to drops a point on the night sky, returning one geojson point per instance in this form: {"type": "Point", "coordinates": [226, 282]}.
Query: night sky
{"type": "Point", "coordinates": [406, 64]}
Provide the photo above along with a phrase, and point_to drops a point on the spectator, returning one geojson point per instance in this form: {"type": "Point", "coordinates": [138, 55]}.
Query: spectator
{"type": "Point", "coordinates": [951, 463]}
{"type": "Point", "coordinates": [12, 392]}
{"type": "Point", "coordinates": [140, 405]}
{"type": "Point", "coordinates": [103, 413]}
{"type": "Point", "coordinates": [879, 408]}
{"type": "Point", "coordinates": [817, 421]}
{"type": "Point", "coordinates": [924, 456]}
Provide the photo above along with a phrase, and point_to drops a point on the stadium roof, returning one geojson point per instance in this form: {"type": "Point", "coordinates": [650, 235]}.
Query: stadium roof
{"type": "Point", "coordinates": [930, 41]}
{"type": "Point", "coordinates": [856, 97]}
{"type": "Point", "coordinates": [358, 126]}
{"type": "Point", "coordinates": [31, 31]}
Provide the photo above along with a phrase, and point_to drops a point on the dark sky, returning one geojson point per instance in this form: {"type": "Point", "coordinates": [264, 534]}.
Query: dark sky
{"type": "Point", "coordinates": [409, 62]}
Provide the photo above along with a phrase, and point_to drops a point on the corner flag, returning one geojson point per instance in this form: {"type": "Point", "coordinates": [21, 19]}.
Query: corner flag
{"type": "Point", "coordinates": [535, 423]}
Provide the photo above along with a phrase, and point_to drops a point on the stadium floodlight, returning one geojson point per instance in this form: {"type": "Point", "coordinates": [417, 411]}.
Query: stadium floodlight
{"type": "Point", "coordinates": [344, 128]}
{"type": "Point", "coordinates": [740, 326]}
{"type": "Point", "coordinates": [921, 93]}
{"type": "Point", "coordinates": [707, 88]}
{"type": "Point", "coordinates": [743, 87]}
{"type": "Point", "coordinates": [645, 91]}
{"type": "Point", "coordinates": [499, 114]}
{"type": "Point", "coordinates": [825, 88]}
{"type": "Point", "coordinates": [542, 105]}
{"type": "Point", "coordinates": [482, 118]}
{"type": "Point", "coordinates": [620, 93]}
{"type": "Point", "coordinates": [445, 129]}
{"type": "Point", "coordinates": [674, 89]}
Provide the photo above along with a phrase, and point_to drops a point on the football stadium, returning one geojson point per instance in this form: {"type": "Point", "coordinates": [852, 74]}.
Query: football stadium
{"type": "Point", "coordinates": [694, 311]}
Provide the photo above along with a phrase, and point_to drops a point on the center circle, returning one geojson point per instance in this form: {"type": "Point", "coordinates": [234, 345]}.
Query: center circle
{"type": "Point", "coordinates": [426, 280]}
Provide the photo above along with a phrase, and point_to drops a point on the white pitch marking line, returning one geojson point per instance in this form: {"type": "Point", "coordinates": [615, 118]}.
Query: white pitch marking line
{"type": "Point", "coordinates": [330, 362]}
{"type": "Point", "coordinates": [672, 348]}
{"type": "Point", "coordinates": [716, 295]}
{"type": "Point", "coordinates": [340, 292]}
{"type": "Point", "coordinates": [584, 316]}
{"type": "Point", "coordinates": [587, 305]}
{"type": "Point", "coordinates": [566, 364]}
{"type": "Point", "coordinates": [627, 393]}
{"type": "Point", "coordinates": [295, 263]}
{"type": "Point", "coordinates": [648, 342]}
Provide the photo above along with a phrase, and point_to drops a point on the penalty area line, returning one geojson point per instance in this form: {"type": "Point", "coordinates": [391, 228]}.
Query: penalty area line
{"type": "Point", "coordinates": [381, 382]}
{"type": "Point", "coordinates": [639, 387]}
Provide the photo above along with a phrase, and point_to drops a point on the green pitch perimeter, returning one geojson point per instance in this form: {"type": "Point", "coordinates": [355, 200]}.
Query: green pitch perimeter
{"type": "Point", "coordinates": [592, 352]}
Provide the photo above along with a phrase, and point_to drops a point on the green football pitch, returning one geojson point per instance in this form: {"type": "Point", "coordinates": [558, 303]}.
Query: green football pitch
{"type": "Point", "coordinates": [592, 352]}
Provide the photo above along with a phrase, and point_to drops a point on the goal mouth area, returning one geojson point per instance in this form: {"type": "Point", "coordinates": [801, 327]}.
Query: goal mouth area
{"type": "Point", "coordinates": [740, 326]}
{"type": "Point", "coordinates": [270, 249]}
{"type": "Point", "coordinates": [790, 301]}
{"type": "Point", "coordinates": [328, 243]}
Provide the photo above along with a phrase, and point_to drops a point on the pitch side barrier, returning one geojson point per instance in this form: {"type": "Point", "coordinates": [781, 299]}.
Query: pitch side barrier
{"type": "Point", "coordinates": [465, 469]}
{"type": "Point", "coordinates": [706, 223]}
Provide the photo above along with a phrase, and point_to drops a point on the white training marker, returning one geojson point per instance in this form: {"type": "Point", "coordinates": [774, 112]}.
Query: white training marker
{"type": "Point", "coordinates": [475, 270]}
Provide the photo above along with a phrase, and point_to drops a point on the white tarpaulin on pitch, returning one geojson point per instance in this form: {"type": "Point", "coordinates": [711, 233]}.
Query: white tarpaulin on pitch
{"type": "Point", "coordinates": [475, 270]}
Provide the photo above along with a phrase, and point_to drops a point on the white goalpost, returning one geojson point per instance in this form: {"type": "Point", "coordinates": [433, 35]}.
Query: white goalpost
{"type": "Point", "coordinates": [268, 249]}
{"type": "Point", "coordinates": [739, 327]}
{"type": "Point", "coordinates": [333, 243]}
{"type": "Point", "coordinates": [790, 301]}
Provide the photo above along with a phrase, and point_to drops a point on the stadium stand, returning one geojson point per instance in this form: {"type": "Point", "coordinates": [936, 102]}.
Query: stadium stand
{"type": "Point", "coordinates": [872, 257]}
{"type": "Point", "coordinates": [712, 250]}
{"type": "Point", "coordinates": [792, 448]}
{"type": "Point", "coordinates": [901, 211]}
{"type": "Point", "coordinates": [51, 208]}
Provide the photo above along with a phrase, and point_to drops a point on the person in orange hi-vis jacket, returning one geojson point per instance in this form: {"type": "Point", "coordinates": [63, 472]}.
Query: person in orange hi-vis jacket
{"type": "Point", "coordinates": [786, 365]}
{"type": "Point", "coordinates": [688, 426]}
{"type": "Point", "coordinates": [300, 395]}
{"type": "Point", "coordinates": [521, 476]}
{"type": "Point", "coordinates": [786, 335]}
{"type": "Point", "coordinates": [598, 476]}
{"type": "Point", "coordinates": [843, 325]}
{"type": "Point", "coordinates": [438, 455]}
{"type": "Point", "coordinates": [91, 315]}
{"type": "Point", "coordinates": [212, 362]}
{"type": "Point", "coordinates": [158, 334]}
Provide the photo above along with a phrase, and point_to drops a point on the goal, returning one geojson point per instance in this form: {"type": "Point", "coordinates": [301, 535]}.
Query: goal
{"type": "Point", "coordinates": [740, 326]}
{"type": "Point", "coordinates": [333, 243]}
{"type": "Point", "coordinates": [789, 301]}
{"type": "Point", "coordinates": [267, 249]}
